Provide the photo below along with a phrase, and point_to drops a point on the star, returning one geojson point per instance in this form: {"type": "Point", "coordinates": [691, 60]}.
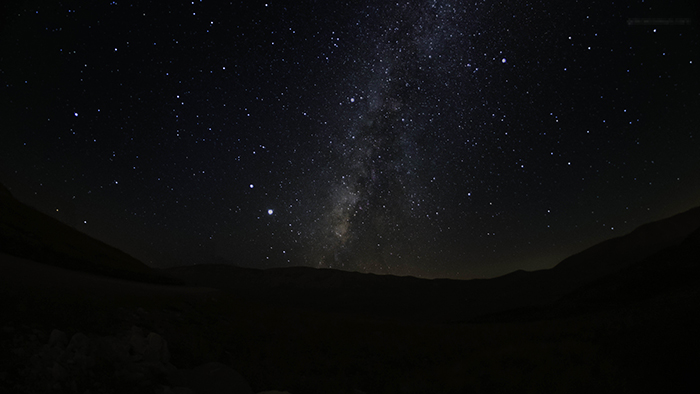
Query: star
{"type": "Point", "coordinates": [384, 130]}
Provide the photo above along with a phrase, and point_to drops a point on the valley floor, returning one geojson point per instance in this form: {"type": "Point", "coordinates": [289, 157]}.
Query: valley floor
{"type": "Point", "coordinates": [644, 347]}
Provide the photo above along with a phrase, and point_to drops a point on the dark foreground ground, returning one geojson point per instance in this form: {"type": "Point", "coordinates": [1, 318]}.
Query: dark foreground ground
{"type": "Point", "coordinates": [618, 345]}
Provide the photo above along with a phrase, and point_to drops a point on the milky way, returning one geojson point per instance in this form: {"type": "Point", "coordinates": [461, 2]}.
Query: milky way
{"type": "Point", "coordinates": [430, 138]}
{"type": "Point", "coordinates": [373, 208]}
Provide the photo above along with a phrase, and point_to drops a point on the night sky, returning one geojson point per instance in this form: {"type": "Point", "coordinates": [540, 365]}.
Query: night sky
{"type": "Point", "coordinates": [456, 139]}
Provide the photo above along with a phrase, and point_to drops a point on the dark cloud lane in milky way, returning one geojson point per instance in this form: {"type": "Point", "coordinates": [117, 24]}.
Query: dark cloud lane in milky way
{"type": "Point", "coordinates": [429, 138]}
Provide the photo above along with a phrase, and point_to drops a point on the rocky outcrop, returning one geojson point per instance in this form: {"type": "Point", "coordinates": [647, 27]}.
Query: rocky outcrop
{"type": "Point", "coordinates": [133, 361]}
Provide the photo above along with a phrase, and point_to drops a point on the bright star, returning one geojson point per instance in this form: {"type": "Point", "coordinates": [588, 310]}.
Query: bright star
{"type": "Point", "coordinates": [270, 211]}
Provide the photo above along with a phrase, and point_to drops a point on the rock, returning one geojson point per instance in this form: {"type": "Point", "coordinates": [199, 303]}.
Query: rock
{"type": "Point", "coordinates": [58, 372]}
{"type": "Point", "coordinates": [137, 342]}
{"type": "Point", "coordinates": [120, 349]}
{"type": "Point", "coordinates": [78, 351]}
{"type": "Point", "coordinates": [134, 376]}
{"type": "Point", "coordinates": [156, 349]}
{"type": "Point", "coordinates": [111, 350]}
{"type": "Point", "coordinates": [40, 335]}
{"type": "Point", "coordinates": [79, 344]}
{"type": "Point", "coordinates": [58, 338]}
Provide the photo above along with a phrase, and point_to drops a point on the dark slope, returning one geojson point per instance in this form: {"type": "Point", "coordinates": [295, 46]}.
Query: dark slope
{"type": "Point", "coordinates": [380, 296]}
{"type": "Point", "coordinates": [617, 253]}
{"type": "Point", "coordinates": [28, 233]}
{"type": "Point", "coordinates": [608, 261]}
{"type": "Point", "coordinates": [653, 305]}
{"type": "Point", "coordinates": [443, 299]}
{"type": "Point", "coordinates": [670, 273]}
{"type": "Point", "coordinates": [645, 314]}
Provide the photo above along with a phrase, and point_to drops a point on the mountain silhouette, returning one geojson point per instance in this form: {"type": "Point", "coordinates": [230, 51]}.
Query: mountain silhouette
{"type": "Point", "coordinates": [444, 299]}
{"type": "Point", "coordinates": [28, 233]}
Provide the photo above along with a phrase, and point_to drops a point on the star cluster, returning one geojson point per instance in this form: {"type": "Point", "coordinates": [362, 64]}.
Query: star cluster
{"type": "Point", "coordinates": [428, 138]}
